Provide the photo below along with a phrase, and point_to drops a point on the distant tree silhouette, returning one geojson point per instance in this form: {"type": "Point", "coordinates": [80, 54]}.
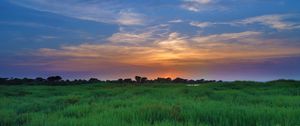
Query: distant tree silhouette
{"type": "Point", "coordinates": [180, 80]}
{"type": "Point", "coordinates": [163, 80]}
{"type": "Point", "coordinates": [201, 81]}
{"type": "Point", "coordinates": [282, 80]}
{"type": "Point", "coordinates": [120, 80]}
{"type": "Point", "coordinates": [57, 80]}
{"type": "Point", "coordinates": [191, 81]}
{"type": "Point", "coordinates": [144, 80]}
{"type": "Point", "coordinates": [68, 81]}
{"type": "Point", "coordinates": [16, 81]}
{"type": "Point", "coordinates": [3, 80]}
{"type": "Point", "coordinates": [40, 79]}
{"type": "Point", "coordinates": [138, 79]}
{"type": "Point", "coordinates": [54, 79]}
{"type": "Point", "coordinates": [127, 80]}
{"type": "Point", "coordinates": [93, 80]}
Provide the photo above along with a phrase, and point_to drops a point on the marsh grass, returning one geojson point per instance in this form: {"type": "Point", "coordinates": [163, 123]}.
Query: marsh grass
{"type": "Point", "coordinates": [215, 104]}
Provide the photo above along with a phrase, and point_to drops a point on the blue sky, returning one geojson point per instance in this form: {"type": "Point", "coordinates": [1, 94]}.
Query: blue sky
{"type": "Point", "coordinates": [213, 39]}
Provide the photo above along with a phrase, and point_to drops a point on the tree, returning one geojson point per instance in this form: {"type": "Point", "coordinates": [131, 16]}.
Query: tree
{"type": "Point", "coordinates": [39, 79]}
{"type": "Point", "coordinates": [127, 80]}
{"type": "Point", "coordinates": [54, 79]}
{"type": "Point", "coordinates": [200, 81]}
{"type": "Point", "coordinates": [144, 80]}
{"type": "Point", "coordinates": [15, 81]}
{"type": "Point", "coordinates": [138, 79]}
{"type": "Point", "coordinates": [163, 80]}
{"type": "Point", "coordinates": [3, 80]}
{"type": "Point", "coordinates": [93, 80]}
{"type": "Point", "coordinates": [120, 80]}
{"type": "Point", "coordinates": [180, 80]}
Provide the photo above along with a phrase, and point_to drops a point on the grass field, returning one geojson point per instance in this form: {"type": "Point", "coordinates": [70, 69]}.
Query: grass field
{"type": "Point", "coordinates": [214, 104]}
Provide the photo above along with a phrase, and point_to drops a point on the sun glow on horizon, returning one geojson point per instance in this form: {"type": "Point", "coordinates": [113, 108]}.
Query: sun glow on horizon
{"type": "Point", "coordinates": [180, 38]}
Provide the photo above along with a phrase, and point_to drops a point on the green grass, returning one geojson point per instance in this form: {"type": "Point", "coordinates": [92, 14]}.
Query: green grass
{"type": "Point", "coordinates": [215, 104]}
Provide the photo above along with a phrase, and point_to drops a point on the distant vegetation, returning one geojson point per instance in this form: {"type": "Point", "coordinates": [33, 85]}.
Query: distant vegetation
{"type": "Point", "coordinates": [239, 103]}
{"type": "Point", "coordinates": [138, 80]}
{"type": "Point", "coordinates": [57, 80]}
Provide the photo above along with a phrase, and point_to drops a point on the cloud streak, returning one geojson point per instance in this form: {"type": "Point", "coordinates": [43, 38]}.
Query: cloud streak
{"type": "Point", "coordinates": [173, 51]}
{"type": "Point", "coordinates": [176, 21]}
{"type": "Point", "coordinates": [130, 18]}
{"type": "Point", "coordinates": [205, 5]}
{"type": "Point", "coordinates": [197, 5]}
{"type": "Point", "coordinates": [201, 24]}
{"type": "Point", "coordinates": [98, 11]}
{"type": "Point", "coordinates": [138, 36]}
{"type": "Point", "coordinates": [273, 21]}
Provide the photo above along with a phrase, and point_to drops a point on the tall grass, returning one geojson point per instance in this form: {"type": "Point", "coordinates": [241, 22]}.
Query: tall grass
{"type": "Point", "coordinates": [215, 104]}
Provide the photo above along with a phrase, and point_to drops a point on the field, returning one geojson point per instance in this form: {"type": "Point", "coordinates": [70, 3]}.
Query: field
{"type": "Point", "coordinates": [213, 104]}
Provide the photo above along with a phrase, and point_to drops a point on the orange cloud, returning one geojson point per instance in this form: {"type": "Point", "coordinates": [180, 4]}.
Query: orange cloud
{"type": "Point", "coordinates": [168, 56]}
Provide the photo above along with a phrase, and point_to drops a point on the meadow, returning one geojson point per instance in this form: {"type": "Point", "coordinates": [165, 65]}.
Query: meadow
{"type": "Point", "coordinates": [212, 104]}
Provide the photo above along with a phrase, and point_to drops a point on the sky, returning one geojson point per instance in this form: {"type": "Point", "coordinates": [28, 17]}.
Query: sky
{"type": "Point", "coordinates": [110, 39]}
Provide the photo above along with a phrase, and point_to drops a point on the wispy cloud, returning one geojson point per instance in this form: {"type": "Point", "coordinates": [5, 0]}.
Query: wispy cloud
{"type": "Point", "coordinates": [201, 24]}
{"type": "Point", "coordinates": [176, 21]}
{"type": "Point", "coordinates": [138, 36]}
{"type": "Point", "coordinates": [202, 5]}
{"type": "Point", "coordinates": [129, 37]}
{"type": "Point", "coordinates": [228, 37]}
{"type": "Point", "coordinates": [39, 25]}
{"type": "Point", "coordinates": [98, 11]}
{"type": "Point", "coordinates": [196, 5]}
{"type": "Point", "coordinates": [275, 21]}
{"type": "Point", "coordinates": [174, 42]}
{"type": "Point", "coordinates": [173, 50]}
{"type": "Point", "coordinates": [130, 18]}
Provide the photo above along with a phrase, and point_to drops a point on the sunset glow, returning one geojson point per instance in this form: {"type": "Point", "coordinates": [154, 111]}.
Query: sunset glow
{"type": "Point", "coordinates": [211, 39]}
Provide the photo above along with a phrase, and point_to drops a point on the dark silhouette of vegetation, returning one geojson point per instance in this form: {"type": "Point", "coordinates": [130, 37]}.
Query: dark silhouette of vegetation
{"type": "Point", "coordinates": [141, 80]}
{"type": "Point", "coordinates": [93, 80]}
{"type": "Point", "coordinates": [138, 79]}
{"type": "Point", "coordinates": [58, 80]}
{"type": "Point", "coordinates": [144, 80]}
{"type": "Point", "coordinates": [54, 79]}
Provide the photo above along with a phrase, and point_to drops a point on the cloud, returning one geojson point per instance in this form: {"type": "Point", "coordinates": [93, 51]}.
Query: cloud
{"type": "Point", "coordinates": [176, 21]}
{"type": "Point", "coordinates": [98, 11]}
{"type": "Point", "coordinates": [201, 24]}
{"type": "Point", "coordinates": [275, 21]}
{"type": "Point", "coordinates": [38, 25]}
{"type": "Point", "coordinates": [174, 50]}
{"type": "Point", "coordinates": [129, 37]}
{"type": "Point", "coordinates": [202, 5]}
{"type": "Point", "coordinates": [200, 1]}
{"type": "Point", "coordinates": [130, 18]}
{"type": "Point", "coordinates": [227, 37]}
{"type": "Point", "coordinates": [138, 36]}
{"type": "Point", "coordinates": [105, 52]}
{"type": "Point", "coordinates": [195, 5]}
{"type": "Point", "coordinates": [104, 58]}
{"type": "Point", "coordinates": [48, 37]}
{"type": "Point", "coordinates": [174, 42]}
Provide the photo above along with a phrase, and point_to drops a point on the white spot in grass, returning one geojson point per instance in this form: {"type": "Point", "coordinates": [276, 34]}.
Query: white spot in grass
{"type": "Point", "coordinates": [192, 85]}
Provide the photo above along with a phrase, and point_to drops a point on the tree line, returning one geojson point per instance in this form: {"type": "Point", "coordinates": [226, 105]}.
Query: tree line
{"type": "Point", "coordinates": [58, 80]}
